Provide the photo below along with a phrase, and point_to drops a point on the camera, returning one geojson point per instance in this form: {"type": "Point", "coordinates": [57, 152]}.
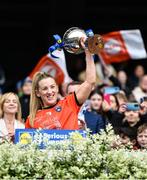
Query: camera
{"type": "Point", "coordinates": [132, 106]}
{"type": "Point", "coordinates": [111, 90]}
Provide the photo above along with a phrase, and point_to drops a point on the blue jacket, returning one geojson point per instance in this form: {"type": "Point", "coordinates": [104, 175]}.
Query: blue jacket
{"type": "Point", "coordinates": [94, 121]}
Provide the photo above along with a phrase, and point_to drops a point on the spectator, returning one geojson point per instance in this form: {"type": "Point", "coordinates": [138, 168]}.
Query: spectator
{"type": "Point", "coordinates": [100, 75]}
{"type": "Point", "coordinates": [121, 81]}
{"type": "Point", "coordinates": [10, 115]}
{"type": "Point", "coordinates": [142, 136]}
{"type": "Point", "coordinates": [72, 86]}
{"type": "Point", "coordinates": [25, 97]}
{"type": "Point", "coordinates": [126, 138]}
{"type": "Point", "coordinates": [139, 72]}
{"type": "Point", "coordinates": [141, 90]}
{"type": "Point", "coordinates": [124, 117]}
{"type": "Point", "coordinates": [114, 102]}
{"type": "Point", "coordinates": [124, 82]}
{"type": "Point", "coordinates": [110, 102]}
{"type": "Point", "coordinates": [121, 97]}
{"type": "Point", "coordinates": [94, 116]}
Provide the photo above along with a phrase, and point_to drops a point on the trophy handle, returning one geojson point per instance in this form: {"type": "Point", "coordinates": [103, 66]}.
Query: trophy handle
{"type": "Point", "coordinates": [95, 44]}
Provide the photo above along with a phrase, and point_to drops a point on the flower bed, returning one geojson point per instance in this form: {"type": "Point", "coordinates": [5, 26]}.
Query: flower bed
{"type": "Point", "coordinates": [87, 158]}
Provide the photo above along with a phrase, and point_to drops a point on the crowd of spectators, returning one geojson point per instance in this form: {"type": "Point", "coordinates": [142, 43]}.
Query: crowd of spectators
{"type": "Point", "coordinates": [99, 110]}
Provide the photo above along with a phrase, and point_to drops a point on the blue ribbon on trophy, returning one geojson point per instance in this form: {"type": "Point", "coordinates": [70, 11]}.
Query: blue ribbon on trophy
{"type": "Point", "coordinates": [70, 41]}
{"type": "Point", "coordinates": [58, 45]}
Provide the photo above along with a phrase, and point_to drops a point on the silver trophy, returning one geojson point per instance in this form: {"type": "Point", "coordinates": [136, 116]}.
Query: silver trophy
{"type": "Point", "coordinates": [71, 40]}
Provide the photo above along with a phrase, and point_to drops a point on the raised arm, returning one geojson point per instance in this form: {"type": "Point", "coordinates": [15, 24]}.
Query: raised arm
{"type": "Point", "coordinates": [82, 93]}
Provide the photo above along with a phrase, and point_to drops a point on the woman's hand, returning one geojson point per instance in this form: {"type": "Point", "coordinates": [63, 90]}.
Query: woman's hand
{"type": "Point", "coordinates": [122, 108]}
{"type": "Point", "coordinates": [143, 107]}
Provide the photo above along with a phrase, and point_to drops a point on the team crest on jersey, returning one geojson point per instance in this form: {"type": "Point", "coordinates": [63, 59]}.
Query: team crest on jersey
{"type": "Point", "coordinates": [58, 108]}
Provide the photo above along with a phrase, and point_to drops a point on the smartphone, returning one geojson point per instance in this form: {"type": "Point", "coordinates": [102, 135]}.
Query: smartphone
{"type": "Point", "coordinates": [132, 106]}
{"type": "Point", "coordinates": [107, 98]}
{"type": "Point", "coordinates": [143, 99]}
{"type": "Point", "coordinates": [111, 90]}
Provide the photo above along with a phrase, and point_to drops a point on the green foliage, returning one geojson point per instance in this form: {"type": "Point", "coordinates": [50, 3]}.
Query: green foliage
{"type": "Point", "coordinates": [80, 158]}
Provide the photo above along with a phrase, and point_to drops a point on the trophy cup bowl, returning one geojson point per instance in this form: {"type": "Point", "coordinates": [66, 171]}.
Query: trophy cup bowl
{"type": "Point", "coordinates": [71, 39]}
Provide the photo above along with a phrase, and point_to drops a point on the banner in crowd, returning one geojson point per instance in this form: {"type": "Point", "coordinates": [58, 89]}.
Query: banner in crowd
{"type": "Point", "coordinates": [44, 137]}
{"type": "Point", "coordinates": [56, 67]}
{"type": "Point", "coordinates": [123, 45]}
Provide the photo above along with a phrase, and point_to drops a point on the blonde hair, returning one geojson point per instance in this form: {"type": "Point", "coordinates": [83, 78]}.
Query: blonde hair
{"type": "Point", "coordinates": [142, 128]}
{"type": "Point", "coordinates": [2, 101]}
{"type": "Point", "coordinates": [35, 101]}
{"type": "Point", "coordinates": [121, 96]}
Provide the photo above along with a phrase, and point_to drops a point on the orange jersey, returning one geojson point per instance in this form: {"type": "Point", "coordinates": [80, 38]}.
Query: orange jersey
{"type": "Point", "coordinates": [63, 115]}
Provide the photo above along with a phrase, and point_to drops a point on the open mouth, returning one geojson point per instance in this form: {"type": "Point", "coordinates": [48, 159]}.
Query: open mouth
{"type": "Point", "coordinates": [50, 97]}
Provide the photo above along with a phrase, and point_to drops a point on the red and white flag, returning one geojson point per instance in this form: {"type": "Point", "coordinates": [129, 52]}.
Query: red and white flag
{"type": "Point", "coordinates": [123, 45]}
{"type": "Point", "coordinates": [56, 67]}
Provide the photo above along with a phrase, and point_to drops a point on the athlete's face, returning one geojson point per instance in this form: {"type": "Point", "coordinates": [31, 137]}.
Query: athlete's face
{"type": "Point", "coordinates": [48, 91]}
